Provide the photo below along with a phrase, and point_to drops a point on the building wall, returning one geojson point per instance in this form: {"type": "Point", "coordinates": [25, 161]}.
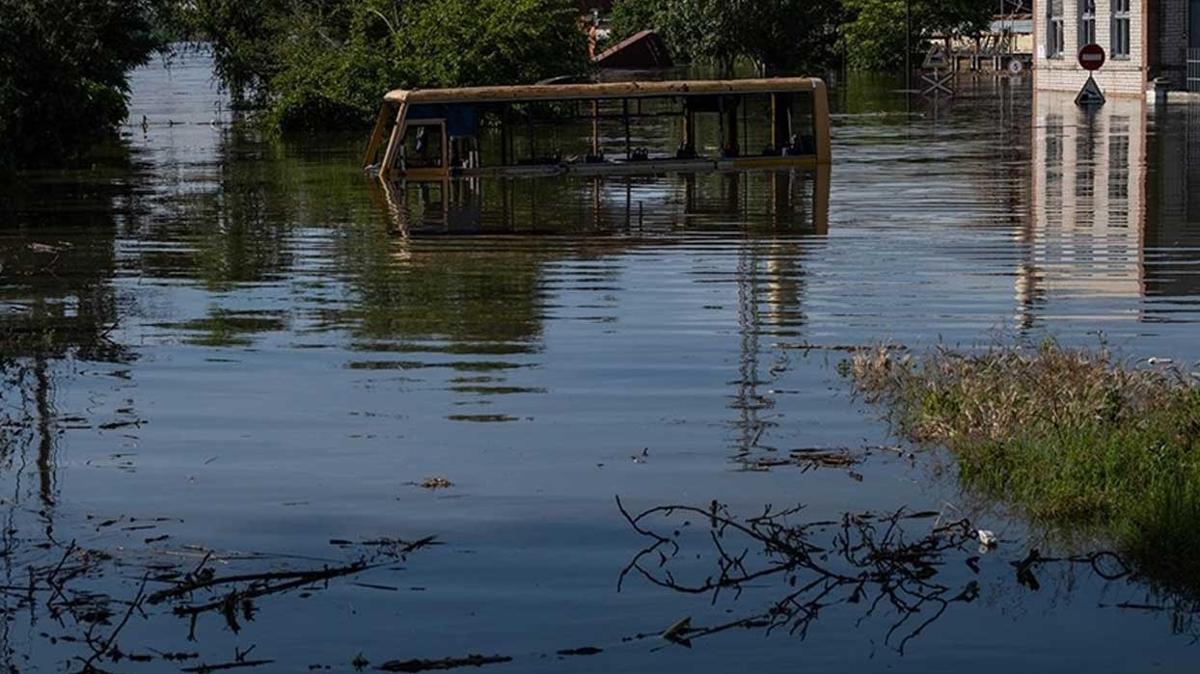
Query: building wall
{"type": "Point", "coordinates": [1159, 34]}
{"type": "Point", "coordinates": [1118, 77]}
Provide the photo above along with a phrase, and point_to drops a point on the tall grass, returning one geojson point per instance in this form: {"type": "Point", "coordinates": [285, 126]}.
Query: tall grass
{"type": "Point", "coordinates": [1070, 437]}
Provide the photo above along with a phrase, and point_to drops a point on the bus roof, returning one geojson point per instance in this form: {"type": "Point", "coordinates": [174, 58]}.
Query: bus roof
{"type": "Point", "coordinates": [602, 90]}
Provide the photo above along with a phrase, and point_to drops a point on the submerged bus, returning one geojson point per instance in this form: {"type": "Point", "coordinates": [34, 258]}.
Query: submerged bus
{"type": "Point", "coordinates": [597, 128]}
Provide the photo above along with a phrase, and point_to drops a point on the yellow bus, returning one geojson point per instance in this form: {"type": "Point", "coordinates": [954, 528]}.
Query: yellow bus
{"type": "Point", "coordinates": [654, 127]}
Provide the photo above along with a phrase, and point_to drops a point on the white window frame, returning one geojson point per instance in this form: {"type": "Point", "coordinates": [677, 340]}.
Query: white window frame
{"type": "Point", "coordinates": [1087, 22]}
{"type": "Point", "coordinates": [1122, 33]}
{"type": "Point", "coordinates": [1055, 31]}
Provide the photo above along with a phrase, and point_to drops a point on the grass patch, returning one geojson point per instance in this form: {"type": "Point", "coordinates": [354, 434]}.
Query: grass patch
{"type": "Point", "coordinates": [1072, 438]}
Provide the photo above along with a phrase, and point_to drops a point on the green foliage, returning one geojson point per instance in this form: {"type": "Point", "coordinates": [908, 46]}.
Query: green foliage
{"type": "Point", "coordinates": [630, 17]}
{"type": "Point", "coordinates": [1069, 437]}
{"type": "Point", "coordinates": [241, 35]}
{"type": "Point", "coordinates": [875, 34]}
{"type": "Point", "coordinates": [63, 72]}
{"type": "Point", "coordinates": [328, 62]}
{"type": "Point", "coordinates": [793, 35]}
{"type": "Point", "coordinates": [714, 31]}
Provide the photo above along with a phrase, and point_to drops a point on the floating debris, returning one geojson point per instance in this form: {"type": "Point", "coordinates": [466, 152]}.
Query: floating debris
{"type": "Point", "coordinates": [678, 629]}
{"type": "Point", "coordinates": [987, 540]}
{"type": "Point", "coordinates": [845, 348]}
{"type": "Point", "coordinates": [443, 664]}
{"type": "Point", "coordinates": [870, 555]}
{"type": "Point", "coordinates": [245, 664]}
{"type": "Point", "coordinates": [838, 458]}
{"type": "Point", "coordinates": [48, 249]}
{"type": "Point", "coordinates": [435, 482]}
{"type": "Point", "coordinates": [586, 650]}
{"type": "Point", "coordinates": [808, 459]}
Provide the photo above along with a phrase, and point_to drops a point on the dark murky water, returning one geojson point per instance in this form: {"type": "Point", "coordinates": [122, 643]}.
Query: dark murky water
{"type": "Point", "coordinates": [252, 349]}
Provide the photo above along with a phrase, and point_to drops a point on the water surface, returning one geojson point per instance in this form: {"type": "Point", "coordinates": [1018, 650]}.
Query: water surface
{"type": "Point", "coordinates": [249, 347]}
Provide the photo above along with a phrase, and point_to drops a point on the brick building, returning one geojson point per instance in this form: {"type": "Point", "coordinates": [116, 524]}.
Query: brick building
{"type": "Point", "coordinates": [1145, 40]}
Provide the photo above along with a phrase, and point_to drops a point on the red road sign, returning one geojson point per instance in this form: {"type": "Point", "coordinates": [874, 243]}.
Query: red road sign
{"type": "Point", "coordinates": [1091, 57]}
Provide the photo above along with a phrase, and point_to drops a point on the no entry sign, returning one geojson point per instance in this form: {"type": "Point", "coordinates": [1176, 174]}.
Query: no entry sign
{"type": "Point", "coordinates": [1091, 57]}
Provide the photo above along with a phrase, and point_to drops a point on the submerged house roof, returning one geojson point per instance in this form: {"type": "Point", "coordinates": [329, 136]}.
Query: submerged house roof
{"type": "Point", "coordinates": [642, 50]}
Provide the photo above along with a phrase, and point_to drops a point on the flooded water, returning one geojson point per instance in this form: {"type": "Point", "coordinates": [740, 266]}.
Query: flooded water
{"type": "Point", "coordinates": [238, 355]}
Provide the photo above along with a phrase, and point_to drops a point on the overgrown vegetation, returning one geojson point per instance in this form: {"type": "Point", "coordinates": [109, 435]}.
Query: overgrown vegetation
{"type": "Point", "coordinates": [1071, 437]}
{"type": "Point", "coordinates": [328, 63]}
{"type": "Point", "coordinates": [800, 35]}
{"type": "Point", "coordinates": [64, 72]}
{"type": "Point", "coordinates": [774, 35]}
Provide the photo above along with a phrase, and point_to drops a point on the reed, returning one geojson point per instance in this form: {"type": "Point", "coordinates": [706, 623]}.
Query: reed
{"type": "Point", "coordinates": [1071, 438]}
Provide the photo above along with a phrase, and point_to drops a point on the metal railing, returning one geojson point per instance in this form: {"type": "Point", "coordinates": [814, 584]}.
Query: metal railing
{"type": "Point", "coordinates": [1193, 70]}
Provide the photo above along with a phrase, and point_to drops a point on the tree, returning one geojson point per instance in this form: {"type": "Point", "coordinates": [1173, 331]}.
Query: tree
{"type": "Point", "coordinates": [630, 17]}
{"type": "Point", "coordinates": [876, 39]}
{"type": "Point", "coordinates": [793, 35]}
{"type": "Point", "coordinates": [320, 63]}
{"type": "Point", "coordinates": [64, 72]}
{"type": "Point", "coordinates": [775, 35]}
{"type": "Point", "coordinates": [241, 35]}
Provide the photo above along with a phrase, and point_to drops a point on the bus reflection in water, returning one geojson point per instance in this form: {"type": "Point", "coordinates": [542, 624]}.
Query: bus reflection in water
{"type": "Point", "coordinates": [771, 202]}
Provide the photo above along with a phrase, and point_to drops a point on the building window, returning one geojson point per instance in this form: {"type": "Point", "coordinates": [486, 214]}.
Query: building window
{"type": "Point", "coordinates": [1121, 42]}
{"type": "Point", "coordinates": [1087, 22]}
{"type": "Point", "coordinates": [1055, 37]}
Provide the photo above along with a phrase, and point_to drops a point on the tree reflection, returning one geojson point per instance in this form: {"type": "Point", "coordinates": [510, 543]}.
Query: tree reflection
{"type": "Point", "coordinates": [59, 305]}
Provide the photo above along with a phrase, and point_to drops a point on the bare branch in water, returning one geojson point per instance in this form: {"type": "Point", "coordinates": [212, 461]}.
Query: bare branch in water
{"type": "Point", "coordinates": [861, 559]}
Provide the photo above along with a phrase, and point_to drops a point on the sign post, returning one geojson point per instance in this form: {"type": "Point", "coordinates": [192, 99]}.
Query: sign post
{"type": "Point", "coordinates": [1091, 58]}
{"type": "Point", "coordinates": [935, 83]}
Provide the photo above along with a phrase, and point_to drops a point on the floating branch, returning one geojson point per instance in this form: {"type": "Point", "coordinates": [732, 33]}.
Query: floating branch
{"type": "Point", "coordinates": [863, 559]}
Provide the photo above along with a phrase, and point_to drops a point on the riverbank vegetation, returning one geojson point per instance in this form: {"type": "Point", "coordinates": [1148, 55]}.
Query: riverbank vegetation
{"type": "Point", "coordinates": [64, 72]}
{"type": "Point", "coordinates": [1072, 438]}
